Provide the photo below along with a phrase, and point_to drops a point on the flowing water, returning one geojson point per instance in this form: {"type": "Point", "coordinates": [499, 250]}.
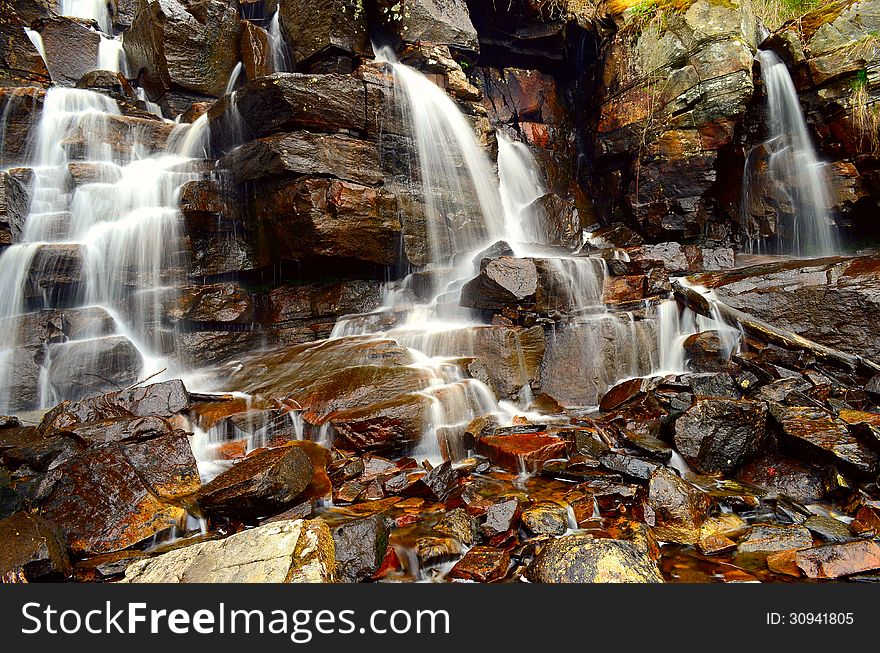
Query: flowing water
{"type": "Point", "coordinates": [278, 46]}
{"type": "Point", "coordinates": [93, 9]}
{"type": "Point", "coordinates": [111, 56]}
{"type": "Point", "coordinates": [101, 239]}
{"type": "Point", "coordinates": [806, 227]}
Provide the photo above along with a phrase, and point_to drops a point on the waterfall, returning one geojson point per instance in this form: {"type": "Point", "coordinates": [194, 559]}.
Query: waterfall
{"type": "Point", "coordinates": [91, 9]}
{"type": "Point", "coordinates": [794, 164]}
{"type": "Point", "coordinates": [152, 107]}
{"type": "Point", "coordinates": [37, 39]}
{"type": "Point", "coordinates": [116, 230]}
{"type": "Point", "coordinates": [111, 56]}
{"type": "Point", "coordinates": [519, 186]}
{"type": "Point", "coordinates": [277, 46]}
{"type": "Point", "coordinates": [461, 200]}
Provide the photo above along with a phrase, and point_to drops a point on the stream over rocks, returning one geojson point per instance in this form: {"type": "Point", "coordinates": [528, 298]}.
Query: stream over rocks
{"type": "Point", "coordinates": [458, 306]}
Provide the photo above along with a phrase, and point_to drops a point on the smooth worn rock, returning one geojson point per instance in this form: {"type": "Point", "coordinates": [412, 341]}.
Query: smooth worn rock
{"type": "Point", "coordinates": [360, 548]}
{"type": "Point", "coordinates": [545, 519]}
{"type": "Point", "coordinates": [298, 551]}
{"type": "Point", "coordinates": [502, 281]}
{"type": "Point", "coordinates": [71, 47]}
{"type": "Point", "coordinates": [500, 518]}
{"type": "Point", "coordinates": [677, 508]}
{"type": "Point", "coordinates": [267, 480]}
{"type": "Point", "coordinates": [720, 434]}
{"type": "Point", "coordinates": [459, 524]}
{"type": "Point", "coordinates": [584, 559]}
{"type": "Point", "coordinates": [92, 367]}
{"type": "Point", "coordinates": [521, 451]}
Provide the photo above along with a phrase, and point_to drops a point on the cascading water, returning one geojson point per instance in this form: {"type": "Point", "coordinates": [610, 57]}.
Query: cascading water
{"type": "Point", "coordinates": [234, 77]}
{"type": "Point", "coordinates": [111, 56]}
{"type": "Point", "coordinates": [93, 9]}
{"type": "Point", "coordinates": [806, 227]}
{"type": "Point", "coordinates": [519, 186]}
{"type": "Point", "coordinates": [116, 230]}
{"type": "Point", "coordinates": [277, 45]}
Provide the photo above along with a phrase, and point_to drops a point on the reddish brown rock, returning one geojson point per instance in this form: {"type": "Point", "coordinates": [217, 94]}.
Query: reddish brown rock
{"type": "Point", "coordinates": [621, 290]}
{"type": "Point", "coordinates": [836, 560]}
{"type": "Point", "coordinates": [34, 547]}
{"type": "Point", "coordinates": [675, 508]}
{"type": "Point", "coordinates": [515, 452]}
{"type": "Point", "coordinates": [784, 562]}
{"type": "Point", "coordinates": [481, 564]}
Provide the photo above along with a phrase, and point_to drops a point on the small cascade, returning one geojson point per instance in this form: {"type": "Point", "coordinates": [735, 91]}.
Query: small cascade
{"type": "Point", "coordinates": [115, 233]}
{"type": "Point", "coordinates": [152, 107]}
{"type": "Point", "coordinates": [234, 77]}
{"type": "Point", "coordinates": [278, 51]}
{"type": "Point", "coordinates": [805, 226]}
{"type": "Point", "coordinates": [96, 10]}
{"type": "Point", "coordinates": [519, 185]}
{"type": "Point", "coordinates": [111, 56]}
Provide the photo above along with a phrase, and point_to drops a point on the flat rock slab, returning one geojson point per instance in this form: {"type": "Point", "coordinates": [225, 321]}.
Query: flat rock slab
{"type": "Point", "coordinates": [836, 560]}
{"type": "Point", "coordinates": [297, 551]}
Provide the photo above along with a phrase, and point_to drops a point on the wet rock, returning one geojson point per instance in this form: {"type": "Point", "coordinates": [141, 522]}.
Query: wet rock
{"type": "Point", "coordinates": [386, 426]}
{"type": "Point", "coordinates": [305, 153]}
{"type": "Point", "coordinates": [583, 559]}
{"type": "Point", "coordinates": [720, 434]}
{"type": "Point", "coordinates": [836, 560]}
{"type": "Point", "coordinates": [164, 399]}
{"type": "Point", "coordinates": [296, 551]}
{"type": "Point", "coordinates": [624, 289]}
{"type": "Point", "coordinates": [785, 476]}
{"type": "Point", "coordinates": [317, 217]}
{"type": "Point", "coordinates": [713, 385]}
{"type": "Point", "coordinates": [675, 508]}
{"type": "Point", "coordinates": [71, 47]}
{"type": "Point", "coordinates": [444, 22]}
{"type": "Point", "coordinates": [15, 201]}
{"type": "Point", "coordinates": [705, 352]}
{"type": "Point", "coordinates": [630, 465]}
{"type": "Point", "coordinates": [526, 451]}
{"type": "Point", "coordinates": [360, 548]}
{"type": "Point", "coordinates": [267, 480]}
{"type": "Point", "coordinates": [256, 52]}
{"type": "Point", "coordinates": [101, 503]}
{"type": "Point", "coordinates": [546, 519]}
{"type": "Point", "coordinates": [867, 519]}
{"type": "Point", "coordinates": [502, 281]}
{"type": "Point", "coordinates": [21, 64]}
{"type": "Point", "coordinates": [501, 517]}
{"type": "Point", "coordinates": [56, 275]}
{"type": "Point", "coordinates": [26, 447]}
{"type": "Point", "coordinates": [431, 549]}
{"type": "Point", "coordinates": [459, 524]}
{"type": "Point", "coordinates": [92, 367]}
{"type": "Point", "coordinates": [828, 529]}
{"type": "Point", "coordinates": [199, 46]}
{"type": "Point", "coordinates": [166, 464]}
{"type": "Point", "coordinates": [616, 235]}
{"type": "Point", "coordinates": [817, 433]}
{"type": "Point", "coordinates": [33, 547]}
{"type": "Point", "coordinates": [767, 538]}
{"type": "Point", "coordinates": [482, 564]}
{"type": "Point", "coordinates": [558, 218]}
{"type": "Point", "coordinates": [784, 562]}
{"type": "Point", "coordinates": [623, 392]}
{"type": "Point", "coordinates": [335, 29]}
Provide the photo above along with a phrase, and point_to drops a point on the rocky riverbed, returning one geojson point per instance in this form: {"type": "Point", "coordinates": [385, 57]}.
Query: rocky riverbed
{"type": "Point", "coordinates": [437, 291]}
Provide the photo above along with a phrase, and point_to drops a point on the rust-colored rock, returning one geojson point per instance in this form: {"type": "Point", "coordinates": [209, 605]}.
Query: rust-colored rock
{"type": "Point", "coordinates": [482, 564]}
{"type": "Point", "coordinates": [521, 451]}
{"type": "Point", "coordinates": [836, 560]}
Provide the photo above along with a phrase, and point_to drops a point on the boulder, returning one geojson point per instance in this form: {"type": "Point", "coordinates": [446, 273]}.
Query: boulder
{"type": "Point", "coordinates": [33, 547]}
{"type": "Point", "coordinates": [545, 519]}
{"type": "Point", "coordinates": [71, 47]}
{"type": "Point", "coordinates": [360, 548]}
{"type": "Point", "coordinates": [518, 452]}
{"type": "Point", "coordinates": [675, 508]}
{"type": "Point", "coordinates": [459, 524]}
{"type": "Point", "coordinates": [718, 434]}
{"type": "Point", "coordinates": [444, 22]}
{"type": "Point", "coordinates": [82, 368]}
{"type": "Point", "coordinates": [584, 559]}
{"type": "Point", "coordinates": [815, 432]}
{"type": "Point", "coordinates": [764, 538]}
{"type": "Point", "coordinates": [503, 281]}
{"type": "Point", "coordinates": [172, 45]}
{"type": "Point", "coordinates": [102, 503]}
{"type": "Point", "coordinates": [320, 33]}
{"type": "Point", "coordinates": [296, 551]}
{"type": "Point", "coordinates": [557, 217]}
{"type": "Point", "coordinates": [56, 275]}
{"type": "Point", "coordinates": [267, 480]}
{"type": "Point", "coordinates": [784, 475]}
{"type": "Point", "coordinates": [837, 560]}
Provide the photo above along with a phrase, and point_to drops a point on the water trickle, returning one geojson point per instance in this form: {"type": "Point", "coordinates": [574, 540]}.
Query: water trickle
{"type": "Point", "coordinates": [37, 39]}
{"type": "Point", "coordinates": [234, 77]}
{"type": "Point", "coordinates": [278, 46]}
{"type": "Point", "coordinates": [519, 185]}
{"type": "Point", "coordinates": [794, 166]}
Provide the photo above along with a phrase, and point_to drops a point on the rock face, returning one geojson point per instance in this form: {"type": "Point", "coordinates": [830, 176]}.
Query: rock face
{"type": "Point", "coordinates": [325, 38]}
{"type": "Point", "coordinates": [298, 551]}
{"type": "Point", "coordinates": [444, 22]}
{"type": "Point", "coordinates": [71, 48]}
{"type": "Point", "coordinates": [21, 63]}
{"type": "Point", "coordinates": [671, 95]}
{"type": "Point", "coordinates": [583, 559]}
{"type": "Point", "coordinates": [720, 434]}
{"type": "Point", "coordinates": [178, 47]}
